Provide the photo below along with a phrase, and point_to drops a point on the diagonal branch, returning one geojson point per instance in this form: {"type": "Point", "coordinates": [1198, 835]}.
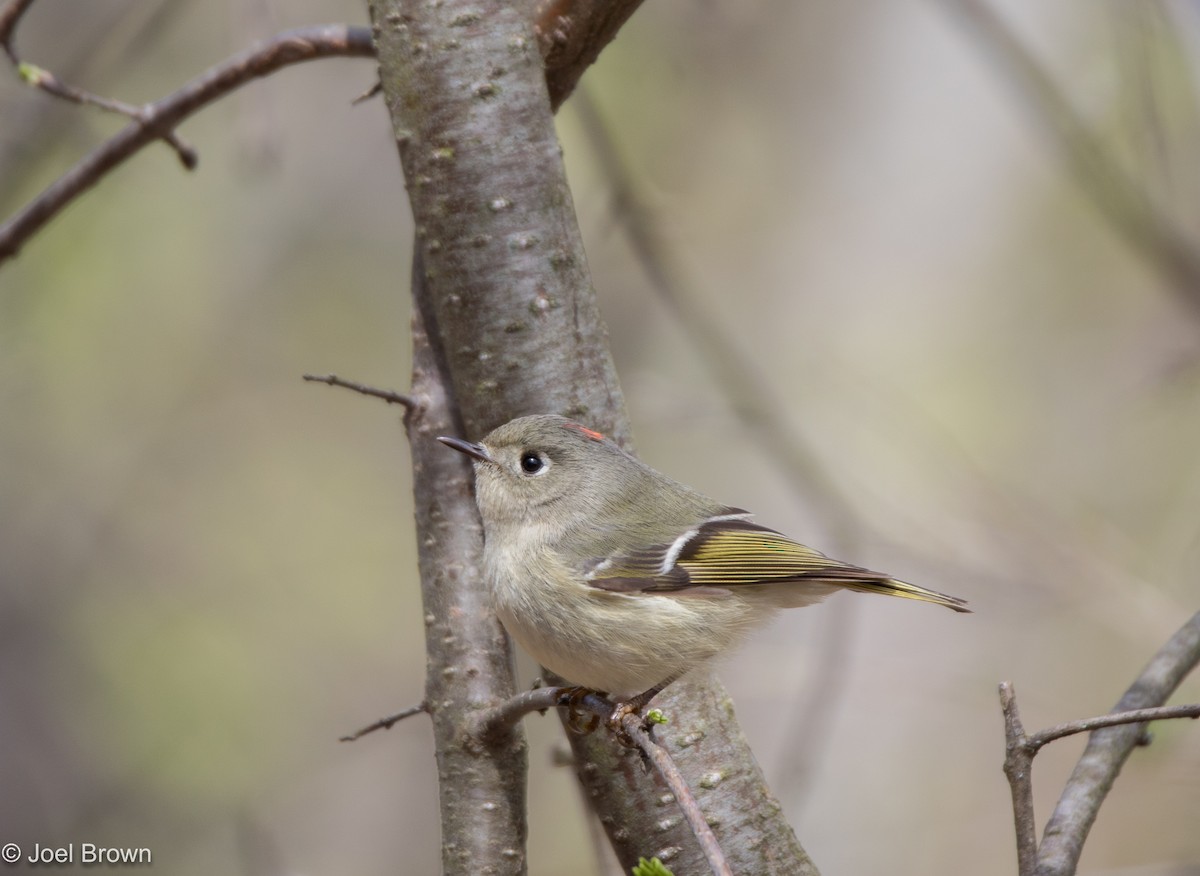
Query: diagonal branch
{"type": "Point", "coordinates": [386, 723]}
{"type": "Point", "coordinates": [1114, 736]}
{"type": "Point", "coordinates": [501, 718]}
{"type": "Point", "coordinates": [33, 75]}
{"type": "Point", "coordinates": [1097, 769]}
{"type": "Point", "coordinates": [1113, 719]}
{"type": "Point", "coordinates": [156, 120]}
{"type": "Point", "coordinates": [571, 34]}
{"type": "Point", "coordinates": [1118, 197]}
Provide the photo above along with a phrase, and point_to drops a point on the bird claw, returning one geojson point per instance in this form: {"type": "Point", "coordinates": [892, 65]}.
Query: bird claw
{"type": "Point", "coordinates": [583, 721]}
{"type": "Point", "coordinates": [616, 723]}
{"type": "Point", "coordinates": [578, 720]}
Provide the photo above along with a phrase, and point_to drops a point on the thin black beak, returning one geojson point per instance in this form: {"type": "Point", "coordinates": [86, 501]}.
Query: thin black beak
{"type": "Point", "coordinates": [475, 451]}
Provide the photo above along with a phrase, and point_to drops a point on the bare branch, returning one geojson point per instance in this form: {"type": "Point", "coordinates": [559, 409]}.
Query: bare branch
{"type": "Point", "coordinates": [31, 74]}
{"type": "Point", "coordinates": [665, 764]}
{"type": "Point", "coordinates": [468, 656]}
{"type": "Point", "coordinates": [487, 723]}
{"type": "Point", "coordinates": [386, 723]}
{"type": "Point", "coordinates": [732, 369]}
{"type": "Point", "coordinates": [161, 117]}
{"type": "Point", "coordinates": [1018, 768]}
{"type": "Point", "coordinates": [571, 34]}
{"type": "Point", "coordinates": [1097, 769]}
{"type": "Point", "coordinates": [389, 396]}
{"type": "Point", "coordinates": [48, 82]}
{"type": "Point", "coordinates": [632, 725]}
{"type": "Point", "coordinates": [10, 17]}
{"type": "Point", "coordinates": [1135, 716]}
{"type": "Point", "coordinates": [1120, 200]}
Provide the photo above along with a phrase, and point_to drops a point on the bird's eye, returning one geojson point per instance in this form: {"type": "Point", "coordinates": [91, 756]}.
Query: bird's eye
{"type": "Point", "coordinates": [531, 463]}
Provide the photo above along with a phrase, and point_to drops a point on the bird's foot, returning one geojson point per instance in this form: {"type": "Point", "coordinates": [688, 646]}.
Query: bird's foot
{"type": "Point", "coordinates": [579, 720]}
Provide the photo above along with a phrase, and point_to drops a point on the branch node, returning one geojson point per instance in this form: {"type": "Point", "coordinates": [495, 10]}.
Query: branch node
{"type": "Point", "coordinates": [186, 153]}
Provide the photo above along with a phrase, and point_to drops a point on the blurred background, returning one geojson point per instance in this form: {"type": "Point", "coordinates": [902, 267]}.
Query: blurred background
{"type": "Point", "coordinates": [207, 568]}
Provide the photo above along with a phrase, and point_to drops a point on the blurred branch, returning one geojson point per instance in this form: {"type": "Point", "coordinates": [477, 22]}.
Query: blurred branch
{"type": "Point", "coordinates": [32, 126]}
{"type": "Point", "coordinates": [1118, 197]}
{"type": "Point", "coordinates": [810, 717]}
{"type": "Point", "coordinates": [734, 372]}
{"type": "Point", "coordinates": [155, 120]}
{"type": "Point", "coordinates": [746, 390]}
{"type": "Point", "coordinates": [1114, 736]}
{"type": "Point", "coordinates": [33, 75]}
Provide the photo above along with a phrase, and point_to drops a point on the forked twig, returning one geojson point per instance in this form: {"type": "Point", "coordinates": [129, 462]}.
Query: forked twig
{"type": "Point", "coordinates": [157, 120]}
{"type": "Point", "coordinates": [1018, 767]}
{"type": "Point", "coordinates": [10, 17]}
{"type": "Point", "coordinates": [1114, 736]}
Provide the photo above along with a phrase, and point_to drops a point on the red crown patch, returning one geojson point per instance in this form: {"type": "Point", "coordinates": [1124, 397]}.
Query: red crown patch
{"type": "Point", "coordinates": [591, 433]}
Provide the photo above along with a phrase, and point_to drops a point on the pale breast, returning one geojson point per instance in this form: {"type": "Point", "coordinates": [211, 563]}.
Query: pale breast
{"type": "Point", "coordinates": [618, 643]}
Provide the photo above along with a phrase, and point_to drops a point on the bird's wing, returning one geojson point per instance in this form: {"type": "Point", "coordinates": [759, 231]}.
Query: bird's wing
{"type": "Point", "coordinates": [729, 551]}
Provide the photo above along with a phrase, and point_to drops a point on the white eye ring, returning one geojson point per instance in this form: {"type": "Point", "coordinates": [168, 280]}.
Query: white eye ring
{"type": "Point", "coordinates": [533, 463]}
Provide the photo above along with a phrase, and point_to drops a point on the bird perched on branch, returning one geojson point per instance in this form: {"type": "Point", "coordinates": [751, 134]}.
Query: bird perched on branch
{"type": "Point", "coordinates": [620, 579]}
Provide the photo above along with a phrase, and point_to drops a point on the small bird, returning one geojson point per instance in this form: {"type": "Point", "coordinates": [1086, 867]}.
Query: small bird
{"type": "Point", "coordinates": [618, 578]}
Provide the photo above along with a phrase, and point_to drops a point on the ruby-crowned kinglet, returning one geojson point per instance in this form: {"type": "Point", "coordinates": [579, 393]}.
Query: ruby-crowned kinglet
{"type": "Point", "coordinates": [618, 578]}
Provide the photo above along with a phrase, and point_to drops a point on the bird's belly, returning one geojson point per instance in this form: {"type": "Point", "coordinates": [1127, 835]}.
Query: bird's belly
{"type": "Point", "coordinates": [618, 643]}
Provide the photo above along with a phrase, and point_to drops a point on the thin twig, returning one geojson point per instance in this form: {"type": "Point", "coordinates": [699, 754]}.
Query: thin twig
{"type": "Point", "coordinates": [1118, 197]}
{"type": "Point", "coordinates": [385, 723]}
{"type": "Point", "coordinates": [1134, 716]}
{"type": "Point", "coordinates": [665, 764]}
{"type": "Point", "coordinates": [632, 725]}
{"type": "Point", "coordinates": [389, 396]}
{"type": "Point", "coordinates": [51, 84]}
{"type": "Point", "coordinates": [489, 722]}
{"type": "Point", "coordinates": [10, 16]}
{"type": "Point", "coordinates": [1020, 750]}
{"type": "Point", "coordinates": [161, 117]}
{"type": "Point", "coordinates": [1018, 768]}
{"type": "Point", "coordinates": [1107, 750]}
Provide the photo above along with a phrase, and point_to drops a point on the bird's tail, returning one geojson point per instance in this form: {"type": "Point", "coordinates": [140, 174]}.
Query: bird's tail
{"type": "Point", "coordinates": [894, 587]}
